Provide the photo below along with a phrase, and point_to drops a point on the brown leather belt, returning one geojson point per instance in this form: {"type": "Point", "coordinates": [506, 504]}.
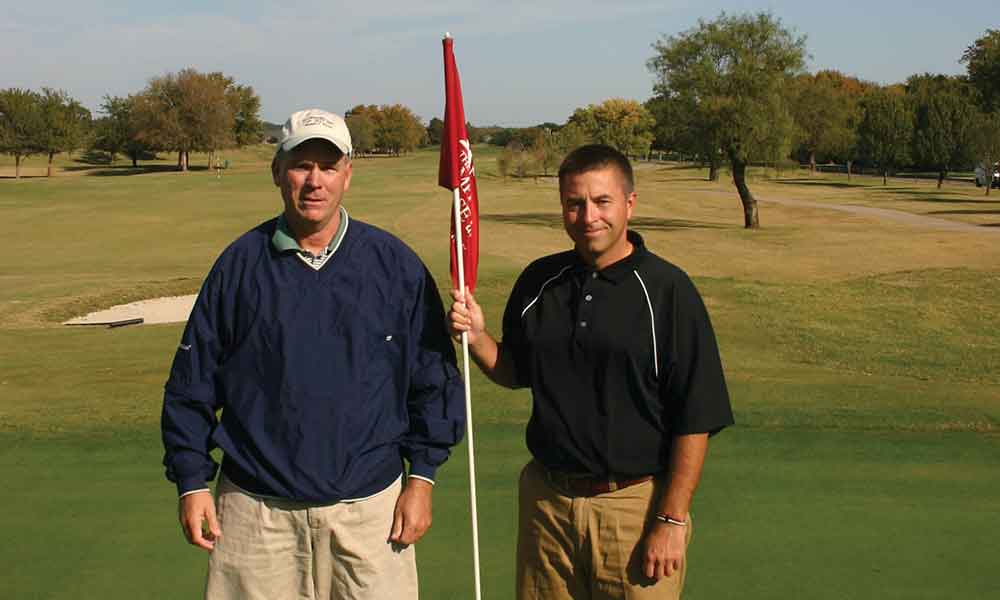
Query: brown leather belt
{"type": "Point", "coordinates": [584, 485]}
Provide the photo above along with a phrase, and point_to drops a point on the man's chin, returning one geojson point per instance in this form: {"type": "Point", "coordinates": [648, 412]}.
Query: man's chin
{"type": "Point", "coordinates": [312, 215]}
{"type": "Point", "coordinates": [588, 250]}
{"type": "Point", "coordinates": [594, 245]}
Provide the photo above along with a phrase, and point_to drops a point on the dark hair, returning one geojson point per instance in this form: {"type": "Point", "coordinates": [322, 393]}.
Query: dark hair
{"type": "Point", "coordinates": [596, 156]}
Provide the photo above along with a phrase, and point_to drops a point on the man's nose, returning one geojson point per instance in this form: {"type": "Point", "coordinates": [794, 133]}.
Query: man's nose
{"type": "Point", "coordinates": [312, 176]}
{"type": "Point", "coordinates": [589, 212]}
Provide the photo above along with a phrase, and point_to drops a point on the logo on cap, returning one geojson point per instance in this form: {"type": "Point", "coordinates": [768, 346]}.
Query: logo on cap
{"type": "Point", "coordinates": [317, 120]}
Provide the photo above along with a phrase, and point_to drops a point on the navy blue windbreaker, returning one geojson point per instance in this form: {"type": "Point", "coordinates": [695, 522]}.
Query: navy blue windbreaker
{"type": "Point", "coordinates": [326, 380]}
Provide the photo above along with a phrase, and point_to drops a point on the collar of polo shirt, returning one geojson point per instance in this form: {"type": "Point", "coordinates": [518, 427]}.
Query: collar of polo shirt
{"type": "Point", "coordinates": [284, 241]}
{"type": "Point", "coordinates": [618, 271]}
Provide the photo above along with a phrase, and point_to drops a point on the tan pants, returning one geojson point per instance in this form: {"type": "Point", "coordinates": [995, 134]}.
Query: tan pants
{"type": "Point", "coordinates": [273, 549]}
{"type": "Point", "coordinates": [581, 548]}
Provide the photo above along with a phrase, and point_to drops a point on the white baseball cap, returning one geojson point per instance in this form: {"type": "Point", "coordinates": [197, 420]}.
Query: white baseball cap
{"type": "Point", "coordinates": [315, 123]}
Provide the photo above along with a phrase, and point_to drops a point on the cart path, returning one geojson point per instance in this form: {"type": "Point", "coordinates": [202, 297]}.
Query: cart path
{"type": "Point", "coordinates": [887, 214]}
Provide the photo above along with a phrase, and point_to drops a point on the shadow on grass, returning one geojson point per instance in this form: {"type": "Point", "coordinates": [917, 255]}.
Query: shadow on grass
{"type": "Point", "coordinates": [965, 212]}
{"type": "Point", "coordinates": [554, 221]}
{"type": "Point", "coordinates": [683, 179]}
{"type": "Point", "coordinates": [681, 167]}
{"type": "Point", "coordinates": [127, 169]}
{"type": "Point", "coordinates": [935, 195]}
{"type": "Point", "coordinates": [537, 219]}
{"type": "Point", "coordinates": [819, 183]}
{"type": "Point", "coordinates": [99, 158]}
{"type": "Point", "coordinates": [94, 157]}
{"type": "Point", "coordinates": [23, 176]}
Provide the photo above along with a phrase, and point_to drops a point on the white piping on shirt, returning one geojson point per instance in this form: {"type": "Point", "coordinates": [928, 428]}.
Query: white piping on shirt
{"type": "Point", "coordinates": [550, 280]}
{"type": "Point", "coordinates": [652, 321]}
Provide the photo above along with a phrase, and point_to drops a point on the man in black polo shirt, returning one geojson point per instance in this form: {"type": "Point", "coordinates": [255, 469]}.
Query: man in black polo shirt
{"type": "Point", "coordinates": [627, 387]}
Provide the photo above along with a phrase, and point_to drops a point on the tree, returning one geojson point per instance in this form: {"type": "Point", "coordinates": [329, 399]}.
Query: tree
{"type": "Point", "coordinates": [682, 127]}
{"type": "Point", "coordinates": [475, 133]}
{"type": "Point", "coordinates": [435, 131]}
{"type": "Point", "coordinates": [570, 137]}
{"type": "Point", "coordinates": [825, 113]}
{"type": "Point", "coordinates": [502, 136]}
{"type": "Point", "coordinates": [65, 124]}
{"type": "Point", "coordinates": [398, 130]}
{"type": "Point", "coordinates": [523, 162]}
{"type": "Point", "coordinates": [982, 63]}
{"type": "Point", "coordinates": [362, 129]}
{"type": "Point", "coordinates": [245, 104]}
{"type": "Point", "coordinates": [986, 142]}
{"type": "Point", "coordinates": [392, 129]}
{"type": "Point", "coordinates": [885, 130]}
{"type": "Point", "coordinates": [545, 150]}
{"type": "Point", "coordinates": [619, 123]}
{"type": "Point", "coordinates": [185, 111]}
{"type": "Point", "coordinates": [116, 132]}
{"type": "Point", "coordinates": [21, 124]}
{"type": "Point", "coordinates": [733, 74]}
{"type": "Point", "coordinates": [944, 112]}
{"type": "Point", "coordinates": [504, 162]}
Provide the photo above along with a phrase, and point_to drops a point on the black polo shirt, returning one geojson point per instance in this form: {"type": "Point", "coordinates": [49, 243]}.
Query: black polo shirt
{"type": "Point", "coordinates": [618, 361]}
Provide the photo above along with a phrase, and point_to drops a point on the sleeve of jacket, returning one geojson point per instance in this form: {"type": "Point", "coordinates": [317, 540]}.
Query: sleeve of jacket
{"type": "Point", "coordinates": [436, 396]}
{"type": "Point", "coordinates": [190, 402]}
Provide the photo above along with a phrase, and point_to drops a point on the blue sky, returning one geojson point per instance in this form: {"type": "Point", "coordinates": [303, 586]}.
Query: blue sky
{"type": "Point", "coordinates": [521, 63]}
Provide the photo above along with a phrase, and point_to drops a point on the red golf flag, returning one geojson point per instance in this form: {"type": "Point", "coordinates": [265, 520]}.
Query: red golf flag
{"type": "Point", "coordinates": [456, 171]}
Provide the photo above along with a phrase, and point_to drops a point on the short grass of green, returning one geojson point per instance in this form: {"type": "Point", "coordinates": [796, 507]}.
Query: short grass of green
{"type": "Point", "coordinates": [864, 463]}
{"type": "Point", "coordinates": [792, 514]}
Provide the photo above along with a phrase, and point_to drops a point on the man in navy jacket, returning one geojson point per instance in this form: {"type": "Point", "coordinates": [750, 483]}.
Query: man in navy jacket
{"type": "Point", "coordinates": [321, 341]}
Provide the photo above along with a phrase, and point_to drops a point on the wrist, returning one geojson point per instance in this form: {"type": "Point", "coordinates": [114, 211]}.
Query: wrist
{"type": "Point", "coordinates": [416, 482]}
{"type": "Point", "coordinates": [478, 341]}
{"type": "Point", "coordinates": [671, 519]}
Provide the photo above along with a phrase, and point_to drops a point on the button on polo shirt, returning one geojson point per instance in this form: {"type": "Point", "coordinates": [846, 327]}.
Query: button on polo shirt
{"type": "Point", "coordinates": [618, 360]}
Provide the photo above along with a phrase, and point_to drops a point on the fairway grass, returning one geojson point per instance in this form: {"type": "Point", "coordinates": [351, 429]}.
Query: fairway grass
{"type": "Point", "coordinates": [863, 358]}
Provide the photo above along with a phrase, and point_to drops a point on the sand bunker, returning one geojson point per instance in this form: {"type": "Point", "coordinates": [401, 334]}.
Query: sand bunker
{"type": "Point", "coordinates": [173, 309]}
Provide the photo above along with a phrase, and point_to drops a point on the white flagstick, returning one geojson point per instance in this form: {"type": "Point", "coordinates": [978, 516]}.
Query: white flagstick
{"type": "Point", "coordinates": [468, 395]}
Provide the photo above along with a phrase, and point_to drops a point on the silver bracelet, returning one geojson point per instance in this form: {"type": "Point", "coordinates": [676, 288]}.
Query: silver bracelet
{"type": "Point", "coordinates": [665, 518]}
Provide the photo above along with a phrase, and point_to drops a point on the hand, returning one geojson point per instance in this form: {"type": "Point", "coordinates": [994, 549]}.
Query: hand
{"type": "Point", "coordinates": [412, 517]}
{"type": "Point", "coordinates": [664, 547]}
{"type": "Point", "coordinates": [196, 511]}
{"type": "Point", "coordinates": [465, 316]}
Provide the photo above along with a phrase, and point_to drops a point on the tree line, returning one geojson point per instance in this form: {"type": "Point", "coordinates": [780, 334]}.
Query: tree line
{"type": "Point", "coordinates": [733, 92]}
{"type": "Point", "coordinates": [391, 129]}
{"type": "Point", "coordinates": [178, 112]}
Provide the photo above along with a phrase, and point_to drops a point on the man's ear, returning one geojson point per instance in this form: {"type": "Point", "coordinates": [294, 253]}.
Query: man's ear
{"type": "Point", "coordinates": [630, 202]}
{"type": "Point", "coordinates": [275, 172]}
{"type": "Point", "coordinates": [347, 176]}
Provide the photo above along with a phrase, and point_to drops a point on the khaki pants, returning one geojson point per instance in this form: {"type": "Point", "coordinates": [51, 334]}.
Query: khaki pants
{"type": "Point", "coordinates": [272, 549]}
{"type": "Point", "coordinates": [580, 548]}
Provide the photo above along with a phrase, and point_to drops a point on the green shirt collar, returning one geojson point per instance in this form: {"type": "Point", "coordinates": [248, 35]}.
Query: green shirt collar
{"type": "Point", "coordinates": [284, 241]}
